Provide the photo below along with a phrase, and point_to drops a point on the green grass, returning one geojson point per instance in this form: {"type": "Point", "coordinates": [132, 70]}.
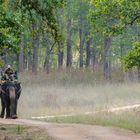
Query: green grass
{"type": "Point", "coordinates": [19, 132]}
{"type": "Point", "coordinates": [128, 120]}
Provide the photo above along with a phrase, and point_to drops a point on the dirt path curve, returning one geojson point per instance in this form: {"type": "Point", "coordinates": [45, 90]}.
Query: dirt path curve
{"type": "Point", "coordinates": [77, 131]}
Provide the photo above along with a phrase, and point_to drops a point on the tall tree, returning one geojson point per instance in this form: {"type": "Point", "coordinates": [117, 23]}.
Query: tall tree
{"type": "Point", "coordinates": [69, 43]}
{"type": "Point", "coordinates": [60, 21]}
{"type": "Point", "coordinates": [81, 35]}
{"type": "Point", "coordinates": [88, 52]}
{"type": "Point", "coordinates": [21, 56]}
{"type": "Point", "coordinates": [47, 57]}
{"type": "Point", "coordinates": [106, 58]}
{"type": "Point", "coordinates": [35, 45]}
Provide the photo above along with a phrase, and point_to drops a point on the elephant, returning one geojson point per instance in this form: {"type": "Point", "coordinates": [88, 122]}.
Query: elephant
{"type": "Point", "coordinates": [10, 93]}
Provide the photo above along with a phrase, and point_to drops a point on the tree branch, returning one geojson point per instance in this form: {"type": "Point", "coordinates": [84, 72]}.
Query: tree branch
{"type": "Point", "coordinates": [132, 22]}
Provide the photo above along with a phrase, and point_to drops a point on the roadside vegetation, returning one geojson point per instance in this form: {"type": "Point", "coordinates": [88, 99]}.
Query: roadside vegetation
{"type": "Point", "coordinates": [19, 132]}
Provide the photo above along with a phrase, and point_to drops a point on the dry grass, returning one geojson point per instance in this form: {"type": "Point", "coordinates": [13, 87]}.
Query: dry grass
{"type": "Point", "coordinates": [61, 93]}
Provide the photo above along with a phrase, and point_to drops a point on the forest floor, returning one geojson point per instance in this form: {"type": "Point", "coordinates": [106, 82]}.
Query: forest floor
{"type": "Point", "coordinates": [66, 131]}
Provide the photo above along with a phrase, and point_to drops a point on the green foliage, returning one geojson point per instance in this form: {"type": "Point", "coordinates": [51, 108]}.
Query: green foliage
{"type": "Point", "coordinates": [132, 58]}
{"type": "Point", "coordinates": [10, 28]}
{"type": "Point", "coordinates": [1, 63]}
{"type": "Point", "coordinates": [45, 10]}
{"type": "Point", "coordinates": [111, 16]}
{"type": "Point", "coordinates": [14, 15]}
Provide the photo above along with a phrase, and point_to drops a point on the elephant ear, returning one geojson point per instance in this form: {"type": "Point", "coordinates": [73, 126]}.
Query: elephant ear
{"type": "Point", "coordinates": [18, 86]}
{"type": "Point", "coordinates": [3, 87]}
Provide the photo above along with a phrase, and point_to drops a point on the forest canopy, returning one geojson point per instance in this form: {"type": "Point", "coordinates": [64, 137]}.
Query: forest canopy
{"type": "Point", "coordinates": [14, 14]}
{"type": "Point", "coordinates": [112, 16]}
{"type": "Point", "coordinates": [90, 34]}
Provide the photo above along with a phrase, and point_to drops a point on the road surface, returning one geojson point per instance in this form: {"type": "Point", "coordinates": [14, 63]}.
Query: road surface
{"type": "Point", "coordinates": [77, 131]}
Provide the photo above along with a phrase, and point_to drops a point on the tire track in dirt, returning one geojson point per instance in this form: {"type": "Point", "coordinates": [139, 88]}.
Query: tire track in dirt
{"type": "Point", "coordinates": [77, 131]}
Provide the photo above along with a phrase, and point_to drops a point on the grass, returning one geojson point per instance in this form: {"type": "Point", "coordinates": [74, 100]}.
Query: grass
{"type": "Point", "coordinates": [127, 120]}
{"type": "Point", "coordinates": [79, 92]}
{"type": "Point", "coordinates": [18, 132]}
{"type": "Point", "coordinates": [50, 95]}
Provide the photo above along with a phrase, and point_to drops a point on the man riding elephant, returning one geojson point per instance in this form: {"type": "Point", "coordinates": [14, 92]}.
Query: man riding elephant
{"type": "Point", "coordinates": [9, 74]}
{"type": "Point", "coordinates": [10, 93]}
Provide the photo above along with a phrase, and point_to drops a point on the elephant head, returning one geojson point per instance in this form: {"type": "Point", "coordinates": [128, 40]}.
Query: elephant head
{"type": "Point", "coordinates": [10, 95]}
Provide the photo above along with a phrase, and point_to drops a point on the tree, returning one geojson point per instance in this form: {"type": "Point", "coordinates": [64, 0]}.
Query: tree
{"type": "Point", "coordinates": [15, 15]}
{"type": "Point", "coordinates": [10, 28]}
{"type": "Point", "coordinates": [41, 13]}
{"type": "Point", "coordinates": [104, 21]}
{"type": "Point", "coordinates": [69, 43]}
{"type": "Point", "coordinates": [123, 12]}
{"type": "Point", "coordinates": [47, 57]}
{"type": "Point", "coordinates": [110, 18]}
{"type": "Point", "coordinates": [45, 9]}
{"type": "Point", "coordinates": [132, 58]}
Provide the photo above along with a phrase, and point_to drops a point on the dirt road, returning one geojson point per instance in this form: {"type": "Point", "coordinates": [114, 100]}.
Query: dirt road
{"type": "Point", "coordinates": [77, 131]}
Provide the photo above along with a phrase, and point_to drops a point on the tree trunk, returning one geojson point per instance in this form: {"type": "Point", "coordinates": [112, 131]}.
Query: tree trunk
{"type": "Point", "coordinates": [81, 37]}
{"type": "Point", "coordinates": [5, 58]}
{"type": "Point", "coordinates": [107, 59]}
{"type": "Point", "coordinates": [21, 56]}
{"type": "Point", "coordinates": [88, 53]}
{"type": "Point", "coordinates": [81, 48]}
{"type": "Point", "coordinates": [25, 55]}
{"type": "Point", "coordinates": [29, 60]}
{"type": "Point", "coordinates": [139, 74]}
{"type": "Point", "coordinates": [94, 57]}
{"type": "Point", "coordinates": [60, 44]}
{"type": "Point", "coordinates": [47, 58]}
{"type": "Point", "coordinates": [130, 75]}
{"type": "Point", "coordinates": [122, 53]}
{"type": "Point", "coordinates": [69, 47]}
{"type": "Point", "coordinates": [35, 45]}
{"type": "Point", "coordinates": [139, 67]}
{"type": "Point", "coordinates": [60, 55]}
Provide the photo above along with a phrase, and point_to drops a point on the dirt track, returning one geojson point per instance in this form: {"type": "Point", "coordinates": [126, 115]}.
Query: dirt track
{"type": "Point", "coordinates": [77, 131]}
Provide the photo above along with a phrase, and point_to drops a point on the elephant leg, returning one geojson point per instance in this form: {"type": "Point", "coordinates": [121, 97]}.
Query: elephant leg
{"type": "Point", "coordinates": [3, 109]}
{"type": "Point", "coordinates": [15, 110]}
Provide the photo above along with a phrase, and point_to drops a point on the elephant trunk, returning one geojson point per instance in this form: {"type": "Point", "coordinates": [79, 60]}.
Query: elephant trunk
{"type": "Point", "coordinates": [13, 102]}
